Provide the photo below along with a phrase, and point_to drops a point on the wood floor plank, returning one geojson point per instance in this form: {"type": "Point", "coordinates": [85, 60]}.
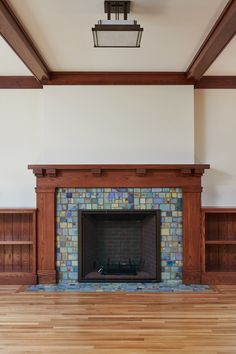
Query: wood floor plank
{"type": "Point", "coordinates": [117, 323]}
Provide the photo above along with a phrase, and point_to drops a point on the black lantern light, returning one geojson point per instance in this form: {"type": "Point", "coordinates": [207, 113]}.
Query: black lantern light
{"type": "Point", "coordinates": [117, 33]}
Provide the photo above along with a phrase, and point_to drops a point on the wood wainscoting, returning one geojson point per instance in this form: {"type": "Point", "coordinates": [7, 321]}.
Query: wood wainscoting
{"type": "Point", "coordinates": [186, 177]}
{"type": "Point", "coordinates": [18, 246]}
{"type": "Point", "coordinates": [219, 245]}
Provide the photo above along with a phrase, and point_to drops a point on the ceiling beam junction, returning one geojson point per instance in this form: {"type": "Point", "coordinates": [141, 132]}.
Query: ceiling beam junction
{"type": "Point", "coordinates": [218, 38]}
{"type": "Point", "coordinates": [15, 35]}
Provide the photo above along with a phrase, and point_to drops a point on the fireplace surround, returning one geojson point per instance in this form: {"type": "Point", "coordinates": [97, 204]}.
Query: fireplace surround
{"type": "Point", "coordinates": [52, 177]}
{"type": "Point", "coordinates": [72, 203]}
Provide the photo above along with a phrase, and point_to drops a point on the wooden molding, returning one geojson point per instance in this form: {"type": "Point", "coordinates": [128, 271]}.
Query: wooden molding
{"type": "Point", "coordinates": [96, 172]}
{"type": "Point", "coordinates": [216, 82]}
{"type": "Point", "coordinates": [118, 78]}
{"type": "Point", "coordinates": [218, 38]}
{"type": "Point", "coordinates": [15, 35]}
{"type": "Point", "coordinates": [51, 172]}
{"type": "Point", "coordinates": [91, 176]}
{"type": "Point", "coordinates": [30, 82]}
{"type": "Point", "coordinates": [141, 172]}
{"type": "Point", "coordinates": [17, 210]}
{"type": "Point", "coordinates": [183, 170]}
{"type": "Point", "coordinates": [46, 276]}
{"type": "Point", "coordinates": [192, 171]}
{"type": "Point", "coordinates": [19, 82]}
{"type": "Point", "coordinates": [45, 172]}
{"type": "Point", "coordinates": [218, 209]}
{"type": "Point", "coordinates": [38, 172]}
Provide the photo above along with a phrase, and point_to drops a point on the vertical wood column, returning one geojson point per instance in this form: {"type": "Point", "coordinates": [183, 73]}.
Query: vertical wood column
{"type": "Point", "coordinates": [46, 269]}
{"type": "Point", "coordinates": [192, 237]}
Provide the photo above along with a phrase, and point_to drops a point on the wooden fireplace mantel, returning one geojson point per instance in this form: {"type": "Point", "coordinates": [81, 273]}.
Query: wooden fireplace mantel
{"type": "Point", "coordinates": [185, 176]}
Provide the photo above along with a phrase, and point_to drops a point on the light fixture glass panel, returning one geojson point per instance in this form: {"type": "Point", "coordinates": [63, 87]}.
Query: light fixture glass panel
{"type": "Point", "coordinates": [117, 38]}
{"type": "Point", "coordinates": [117, 22]}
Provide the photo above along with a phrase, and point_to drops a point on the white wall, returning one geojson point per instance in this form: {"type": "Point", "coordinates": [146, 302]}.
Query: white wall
{"type": "Point", "coordinates": [90, 124]}
{"type": "Point", "coordinates": [118, 124]}
{"type": "Point", "coordinates": [20, 114]}
{"type": "Point", "coordinates": [215, 143]}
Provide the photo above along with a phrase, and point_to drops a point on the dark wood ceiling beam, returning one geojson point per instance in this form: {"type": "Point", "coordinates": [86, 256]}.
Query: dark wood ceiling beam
{"type": "Point", "coordinates": [13, 32]}
{"type": "Point", "coordinates": [216, 82]}
{"type": "Point", "coordinates": [220, 35]}
{"type": "Point", "coordinates": [19, 82]}
{"type": "Point", "coordinates": [118, 78]}
{"type": "Point", "coordinates": [206, 82]}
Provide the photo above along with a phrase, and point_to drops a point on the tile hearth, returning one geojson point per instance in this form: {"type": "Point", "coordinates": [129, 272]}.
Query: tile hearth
{"type": "Point", "coordinates": [70, 200]}
{"type": "Point", "coordinates": [119, 287]}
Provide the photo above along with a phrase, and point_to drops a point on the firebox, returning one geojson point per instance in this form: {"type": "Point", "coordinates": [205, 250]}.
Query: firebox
{"type": "Point", "coordinates": [119, 245]}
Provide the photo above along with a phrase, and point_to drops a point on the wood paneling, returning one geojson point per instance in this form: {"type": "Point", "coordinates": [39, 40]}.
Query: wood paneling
{"type": "Point", "coordinates": [220, 35]}
{"type": "Point", "coordinates": [219, 245]}
{"type": "Point", "coordinates": [17, 246]}
{"type": "Point", "coordinates": [187, 177]}
{"type": "Point", "coordinates": [118, 323]}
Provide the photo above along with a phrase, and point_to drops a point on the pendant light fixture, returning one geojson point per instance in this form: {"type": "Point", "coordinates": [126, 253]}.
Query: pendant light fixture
{"type": "Point", "coordinates": [117, 33]}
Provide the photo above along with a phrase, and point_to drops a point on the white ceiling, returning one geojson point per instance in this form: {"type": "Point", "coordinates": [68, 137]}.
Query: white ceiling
{"type": "Point", "coordinates": [225, 64]}
{"type": "Point", "coordinates": [173, 32]}
{"type": "Point", "coordinates": [10, 64]}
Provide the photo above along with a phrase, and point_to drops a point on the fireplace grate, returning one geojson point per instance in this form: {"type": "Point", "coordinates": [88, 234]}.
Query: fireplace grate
{"type": "Point", "coordinates": [120, 268]}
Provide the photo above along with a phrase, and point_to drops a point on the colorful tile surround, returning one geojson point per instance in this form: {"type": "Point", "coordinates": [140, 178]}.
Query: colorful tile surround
{"type": "Point", "coordinates": [70, 200]}
{"type": "Point", "coordinates": [119, 287]}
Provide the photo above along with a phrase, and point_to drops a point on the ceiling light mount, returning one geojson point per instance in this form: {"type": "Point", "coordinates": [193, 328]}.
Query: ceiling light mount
{"type": "Point", "coordinates": [117, 7]}
{"type": "Point", "coordinates": [117, 33]}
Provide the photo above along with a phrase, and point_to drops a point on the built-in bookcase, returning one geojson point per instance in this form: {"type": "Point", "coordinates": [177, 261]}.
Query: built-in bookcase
{"type": "Point", "coordinates": [17, 246]}
{"type": "Point", "coordinates": [219, 245]}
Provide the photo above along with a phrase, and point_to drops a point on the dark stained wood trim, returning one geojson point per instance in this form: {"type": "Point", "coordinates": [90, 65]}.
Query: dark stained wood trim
{"type": "Point", "coordinates": [19, 82]}
{"type": "Point", "coordinates": [17, 210]}
{"type": "Point", "coordinates": [118, 78]}
{"type": "Point", "coordinates": [96, 171]}
{"type": "Point", "coordinates": [187, 177]}
{"type": "Point", "coordinates": [220, 209]}
{"type": "Point", "coordinates": [30, 82]}
{"type": "Point", "coordinates": [46, 266]}
{"type": "Point", "coordinates": [15, 35]}
{"type": "Point", "coordinates": [180, 170]}
{"type": "Point", "coordinates": [216, 82]}
{"type": "Point", "coordinates": [218, 38]}
{"type": "Point", "coordinates": [180, 167]}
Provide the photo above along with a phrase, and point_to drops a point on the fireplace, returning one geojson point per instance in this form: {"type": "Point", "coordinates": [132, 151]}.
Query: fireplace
{"type": "Point", "coordinates": [119, 245]}
{"type": "Point", "coordinates": [51, 178]}
{"type": "Point", "coordinates": [76, 209]}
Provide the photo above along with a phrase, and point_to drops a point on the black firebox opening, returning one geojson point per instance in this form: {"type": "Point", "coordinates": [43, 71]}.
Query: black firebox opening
{"type": "Point", "coordinates": [119, 245]}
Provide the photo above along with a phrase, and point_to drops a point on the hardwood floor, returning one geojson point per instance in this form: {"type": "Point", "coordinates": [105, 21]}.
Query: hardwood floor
{"type": "Point", "coordinates": [72, 323]}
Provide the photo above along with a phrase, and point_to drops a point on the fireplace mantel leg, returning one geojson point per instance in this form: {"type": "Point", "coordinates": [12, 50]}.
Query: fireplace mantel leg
{"type": "Point", "coordinates": [192, 237]}
{"type": "Point", "coordinates": [46, 236]}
